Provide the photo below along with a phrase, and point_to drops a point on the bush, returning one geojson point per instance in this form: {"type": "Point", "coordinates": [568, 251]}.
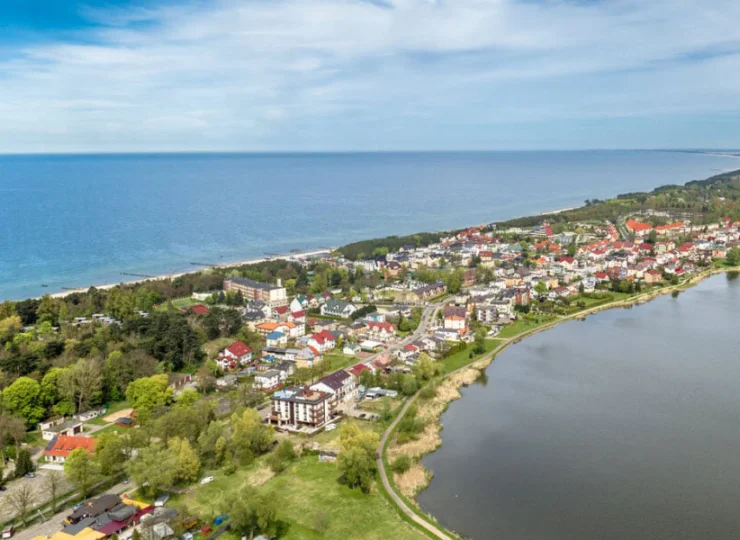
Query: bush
{"type": "Point", "coordinates": [275, 463]}
{"type": "Point", "coordinates": [428, 392]}
{"type": "Point", "coordinates": [401, 464]}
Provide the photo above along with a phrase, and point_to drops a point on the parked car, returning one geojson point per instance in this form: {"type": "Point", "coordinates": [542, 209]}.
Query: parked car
{"type": "Point", "coordinates": [78, 505]}
{"type": "Point", "coordinates": [330, 427]}
{"type": "Point", "coordinates": [8, 533]}
{"type": "Point", "coordinates": [30, 475]}
{"type": "Point", "coordinates": [206, 480]}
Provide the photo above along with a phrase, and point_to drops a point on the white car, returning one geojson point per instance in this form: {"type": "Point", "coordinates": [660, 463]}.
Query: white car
{"type": "Point", "coordinates": [206, 480]}
{"type": "Point", "coordinates": [330, 427]}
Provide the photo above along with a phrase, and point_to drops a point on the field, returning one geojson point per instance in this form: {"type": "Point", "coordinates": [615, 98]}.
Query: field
{"type": "Point", "coordinates": [524, 324]}
{"type": "Point", "coordinates": [462, 358]}
{"type": "Point", "coordinates": [304, 489]}
{"type": "Point", "coordinates": [333, 362]}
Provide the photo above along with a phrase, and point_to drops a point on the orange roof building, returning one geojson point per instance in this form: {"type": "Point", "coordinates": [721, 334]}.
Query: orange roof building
{"type": "Point", "coordinates": [59, 448]}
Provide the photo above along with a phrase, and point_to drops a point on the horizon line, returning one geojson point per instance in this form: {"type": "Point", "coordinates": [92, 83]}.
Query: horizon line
{"type": "Point", "coordinates": [730, 152]}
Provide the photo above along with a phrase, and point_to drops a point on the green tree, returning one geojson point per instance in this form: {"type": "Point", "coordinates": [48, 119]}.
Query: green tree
{"type": "Point", "coordinates": [82, 470]}
{"type": "Point", "coordinates": [356, 460]}
{"type": "Point", "coordinates": [479, 343]}
{"type": "Point", "coordinates": [23, 399]}
{"type": "Point", "coordinates": [286, 451]}
{"type": "Point", "coordinates": [111, 452]}
{"type": "Point", "coordinates": [147, 394]}
{"type": "Point", "coordinates": [153, 468]}
{"type": "Point", "coordinates": [23, 463]}
{"type": "Point", "coordinates": [733, 256]}
{"type": "Point", "coordinates": [252, 512]}
{"type": "Point", "coordinates": [409, 385]}
{"type": "Point", "coordinates": [47, 310]}
{"type": "Point", "coordinates": [188, 397]}
{"type": "Point", "coordinates": [82, 384]}
{"type": "Point", "coordinates": [185, 459]}
{"type": "Point", "coordinates": [540, 287]}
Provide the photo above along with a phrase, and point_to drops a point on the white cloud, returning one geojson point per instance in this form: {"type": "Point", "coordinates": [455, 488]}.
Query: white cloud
{"type": "Point", "coordinates": [307, 74]}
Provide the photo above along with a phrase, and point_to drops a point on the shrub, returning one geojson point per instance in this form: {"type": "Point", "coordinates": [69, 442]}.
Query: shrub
{"type": "Point", "coordinates": [401, 464]}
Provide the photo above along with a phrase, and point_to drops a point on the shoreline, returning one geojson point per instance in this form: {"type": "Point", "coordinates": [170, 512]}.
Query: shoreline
{"type": "Point", "coordinates": [234, 264]}
{"type": "Point", "coordinates": [418, 477]}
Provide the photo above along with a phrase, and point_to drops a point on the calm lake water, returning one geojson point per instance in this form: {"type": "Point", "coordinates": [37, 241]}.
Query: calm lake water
{"type": "Point", "coordinates": [72, 221]}
{"type": "Point", "coordinates": [622, 426]}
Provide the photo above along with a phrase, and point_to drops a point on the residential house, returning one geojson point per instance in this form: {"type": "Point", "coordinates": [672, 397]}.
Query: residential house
{"type": "Point", "coordinates": [61, 446]}
{"type": "Point", "coordinates": [236, 354]}
{"type": "Point", "coordinates": [276, 339]}
{"type": "Point", "coordinates": [381, 331]}
{"type": "Point", "coordinates": [323, 341]}
{"type": "Point", "coordinates": [59, 426]}
{"type": "Point", "coordinates": [338, 308]}
{"type": "Point", "coordinates": [455, 318]}
{"type": "Point", "coordinates": [268, 380]}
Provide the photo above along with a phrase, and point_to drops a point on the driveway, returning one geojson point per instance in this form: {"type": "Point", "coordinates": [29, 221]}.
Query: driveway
{"type": "Point", "coordinates": [7, 512]}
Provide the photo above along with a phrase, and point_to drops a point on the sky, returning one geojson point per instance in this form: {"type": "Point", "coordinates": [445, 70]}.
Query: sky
{"type": "Point", "coordinates": [368, 75]}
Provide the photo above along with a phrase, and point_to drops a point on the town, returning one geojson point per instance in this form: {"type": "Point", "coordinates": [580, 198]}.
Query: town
{"type": "Point", "coordinates": [121, 408]}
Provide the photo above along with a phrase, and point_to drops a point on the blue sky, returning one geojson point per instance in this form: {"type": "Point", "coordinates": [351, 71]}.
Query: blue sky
{"type": "Point", "coordinates": [304, 75]}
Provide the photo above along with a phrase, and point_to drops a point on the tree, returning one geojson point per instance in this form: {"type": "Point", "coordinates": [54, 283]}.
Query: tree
{"type": "Point", "coordinates": [153, 468]}
{"type": "Point", "coordinates": [357, 457]}
{"type": "Point", "coordinates": [147, 394]}
{"type": "Point", "coordinates": [12, 431]}
{"type": "Point", "coordinates": [540, 288]}
{"type": "Point", "coordinates": [9, 327]}
{"type": "Point", "coordinates": [401, 464]}
{"type": "Point", "coordinates": [187, 397]}
{"type": "Point", "coordinates": [357, 468]}
{"type": "Point", "coordinates": [22, 498]}
{"type": "Point", "coordinates": [286, 451]}
{"type": "Point", "coordinates": [53, 483]}
{"type": "Point", "coordinates": [185, 459]}
{"type": "Point", "coordinates": [733, 256]}
{"type": "Point", "coordinates": [250, 437]}
{"type": "Point", "coordinates": [23, 399]}
{"type": "Point", "coordinates": [110, 451]}
{"type": "Point", "coordinates": [47, 310]}
{"type": "Point", "coordinates": [409, 385]}
{"type": "Point", "coordinates": [23, 463]}
{"type": "Point", "coordinates": [82, 470]}
{"type": "Point", "coordinates": [81, 383]}
{"type": "Point", "coordinates": [120, 369]}
{"type": "Point", "coordinates": [251, 512]}
{"type": "Point", "coordinates": [479, 344]}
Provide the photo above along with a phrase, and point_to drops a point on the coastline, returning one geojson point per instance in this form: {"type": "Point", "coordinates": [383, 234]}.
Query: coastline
{"type": "Point", "coordinates": [418, 478]}
{"type": "Point", "coordinates": [235, 264]}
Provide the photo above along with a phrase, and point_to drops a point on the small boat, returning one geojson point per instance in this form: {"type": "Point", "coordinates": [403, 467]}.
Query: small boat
{"type": "Point", "coordinates": [44, 285]}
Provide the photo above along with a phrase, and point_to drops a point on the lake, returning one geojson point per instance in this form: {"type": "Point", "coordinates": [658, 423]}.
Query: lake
{"type": "Point", "coordinates": [79, 220]}
{"type": "Point", "coordinates": [622, 426]}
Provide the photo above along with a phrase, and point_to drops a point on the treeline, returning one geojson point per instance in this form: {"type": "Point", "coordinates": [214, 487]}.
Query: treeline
{"type": "Point", "coordinates": [379, 247]}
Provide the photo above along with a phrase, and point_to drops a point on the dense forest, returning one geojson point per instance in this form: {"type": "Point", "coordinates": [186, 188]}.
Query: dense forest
{"type": "Point", "coordinates": [702, 201]}
{"type": "Point", "coordinates": [378, 247]}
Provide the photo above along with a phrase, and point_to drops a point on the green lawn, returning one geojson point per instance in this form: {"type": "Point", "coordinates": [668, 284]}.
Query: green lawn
{"type": "Point", "coordinates": [301, 490]}
{"type": "Point", "coordinates": [524, 324]}
{"type": "Point", "coordinates": [110, 429]}
{"type": "Point", "coordinates": [185, 302]}
{"type": "Point", "coordinates": [462, 358]}
{"type": "Point", "coordinates": [307, 486]}
{"type": "Point", "coordinates": [333, 362]}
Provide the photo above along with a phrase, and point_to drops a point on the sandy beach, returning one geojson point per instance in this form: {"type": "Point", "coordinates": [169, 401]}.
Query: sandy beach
{"type": "Point", "coordinates": [298, 256]}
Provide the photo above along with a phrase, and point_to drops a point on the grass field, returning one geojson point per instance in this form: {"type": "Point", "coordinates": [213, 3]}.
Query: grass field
{"type": "Point", "coordinates": [333, 362]}
{"type": "Point", "coordinates": [462, 358]}
{"type": "Point", "coordinates": [524, 324]}
{"type": "Point", "coordinates": [303, 489]}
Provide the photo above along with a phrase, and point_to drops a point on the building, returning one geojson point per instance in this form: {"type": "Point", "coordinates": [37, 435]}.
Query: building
{"type": "Point", "coordinates": [59, 426]}
{"type": "Point", "coordinates": [267, 380]}
{"type": "Point", "coordinates": [272, 295]}
{"type": "Point", "coordinates": [455, 318]}
{"type": "Point", "coordinates": [238, 353]}
{"type": "Point", "coordinates": [298, 406]}
{"type": "Point", "coordinates": [339, 384]}
{"type": "Point", "coordinates": [62, 446]}
{"type": "Point", "coordinates": [338, 308]}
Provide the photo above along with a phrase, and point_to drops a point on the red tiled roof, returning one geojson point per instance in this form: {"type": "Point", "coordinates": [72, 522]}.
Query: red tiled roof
{"type": "Point", "coordinates": [238, 349]}
{"type": "Point", "coordinates": [63, 445]}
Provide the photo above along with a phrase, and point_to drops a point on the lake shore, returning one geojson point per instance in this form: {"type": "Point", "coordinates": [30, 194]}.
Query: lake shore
{"type": "Point", "coordinates": [417, 478]}
{"type": "Point", "coordinates": [235, 264]}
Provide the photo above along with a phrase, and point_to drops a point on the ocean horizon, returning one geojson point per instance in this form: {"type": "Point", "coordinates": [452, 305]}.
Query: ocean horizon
{"type": "Point", "coordinates": [75, 220]}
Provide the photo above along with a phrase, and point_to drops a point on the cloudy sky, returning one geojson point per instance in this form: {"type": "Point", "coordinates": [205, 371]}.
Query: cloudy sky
{"type": "Point", "coordinates": [282, 75]}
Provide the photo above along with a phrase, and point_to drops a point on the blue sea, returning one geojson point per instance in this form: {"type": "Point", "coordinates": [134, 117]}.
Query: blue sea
{"type": "Point", "coordinates": [79, 220]}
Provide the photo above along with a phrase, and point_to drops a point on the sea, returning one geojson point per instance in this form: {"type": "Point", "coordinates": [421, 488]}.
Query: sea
{"type": "Point", "coordinates": [73, 221]}
{"type": "Point", "coordinates": [621, 426]}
